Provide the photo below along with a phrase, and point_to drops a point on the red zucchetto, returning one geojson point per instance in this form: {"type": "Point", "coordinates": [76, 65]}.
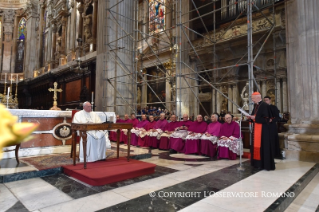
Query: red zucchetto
{"type": "Point", "coordinates": [256, 93]}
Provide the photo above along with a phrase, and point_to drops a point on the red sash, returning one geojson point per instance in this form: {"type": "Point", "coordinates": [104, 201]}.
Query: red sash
{"type": "Point", "coordinates": [257, 140]}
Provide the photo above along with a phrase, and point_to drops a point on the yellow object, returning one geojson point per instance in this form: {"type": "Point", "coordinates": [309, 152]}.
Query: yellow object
{"type": "Point", "coordinates": [11, 132]}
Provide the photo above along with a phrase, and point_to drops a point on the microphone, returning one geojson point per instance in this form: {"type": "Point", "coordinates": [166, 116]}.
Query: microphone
{"type": "Point", "coordinates": [106, 121]}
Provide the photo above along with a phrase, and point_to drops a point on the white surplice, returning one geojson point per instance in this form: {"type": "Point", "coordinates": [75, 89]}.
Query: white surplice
{"type": "Point", "coordinates": [97, 140]}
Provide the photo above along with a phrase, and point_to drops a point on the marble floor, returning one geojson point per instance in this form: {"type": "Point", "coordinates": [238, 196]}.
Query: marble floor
{"type": "Point", "coordinates": [180, 183]}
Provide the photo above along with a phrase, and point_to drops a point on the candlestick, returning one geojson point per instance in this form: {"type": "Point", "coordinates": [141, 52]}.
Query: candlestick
{"type": "Point", "coordinates": [8, 92]}
{"type": "Point", "coordinates": [92, 96]}
{"type": "Point", "coordinates": [17, 78]}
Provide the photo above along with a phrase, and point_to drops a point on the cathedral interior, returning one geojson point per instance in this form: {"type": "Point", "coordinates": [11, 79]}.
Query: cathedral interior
{"type": "Point", "coordinates": [186, 58]}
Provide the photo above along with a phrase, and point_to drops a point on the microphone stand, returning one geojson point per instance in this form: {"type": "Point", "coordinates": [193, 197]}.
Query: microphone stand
{"type": "Point", "coordinates": [240, 168]}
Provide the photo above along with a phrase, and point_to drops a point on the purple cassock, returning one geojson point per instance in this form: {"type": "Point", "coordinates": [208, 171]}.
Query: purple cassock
{"type": "Point", "coordinates": [178, 144]}
{"type": "Point", "coordinates": [134, 137]}
{"type": "Point", "coordinates": [123, 137]}
{"type": "Point", "coordinates": [144, 140]}
{"type": "Point", "coordinates": [192, 145]}
{"type": "Point", "coordinates": [113, 134]}
{"type": "Point", "coordinates": [228, 130]}
{"type": "Point", "coordinates": [160, 124]}
{"type": "Point", "coordinates": [134, 122]}
{"type": "Point", "coordinates": [207, 147]}
{"type": "Point", "coordinates": [187, 123]}
{"type": "Point", "coordinates": [164, 141]}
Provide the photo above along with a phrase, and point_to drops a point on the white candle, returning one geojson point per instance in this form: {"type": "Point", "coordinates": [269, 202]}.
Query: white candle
{"type": "Point", "coordinates": [8, 92]}
{"type": "Point", "coordinates": [11, 79]}
{"type": "Point", "coordinates": [5, 78]}
{"type": "Point", "coordinates": [92, 96]}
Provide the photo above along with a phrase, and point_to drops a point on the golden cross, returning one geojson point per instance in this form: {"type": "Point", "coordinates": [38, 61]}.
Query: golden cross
{"type": "Point", "coordinates": [55, 96]}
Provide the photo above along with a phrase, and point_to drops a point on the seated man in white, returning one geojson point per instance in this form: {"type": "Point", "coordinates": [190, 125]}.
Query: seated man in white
{"type": "Point", "coordinates": [97, 141]}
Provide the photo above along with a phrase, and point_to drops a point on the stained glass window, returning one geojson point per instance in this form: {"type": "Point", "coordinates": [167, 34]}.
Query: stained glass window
{"type": "Point", "coordinates": [22, 29]}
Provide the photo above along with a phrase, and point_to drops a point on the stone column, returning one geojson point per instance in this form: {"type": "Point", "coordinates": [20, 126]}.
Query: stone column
{"type": "Point", "coordinates": [31, 61]}
{"type": "Point", "coordinates": [144, 91]}
{"type": "Point", "coordinates": [218, 100]}
{"type": "Point", "coordinates": [235, 97]}
{"type": "Point", "coordinates": [302, 33]}
{"type": "Point", "coordinates": [110, 94]}
{"type": "Point", "coordinates": [184, 96]}
{"type": "Point", "coordinates": [94, 23]}
{"type": "Point", "coordinates": [53, 45]}
{"type": "Point", "coordinates": [14, 44]}
{"type": "Point", "coordinates": [278, 97]}
{"type": "Point", "coordinates": [168, 90]}
{"type": "Point", "coordinates": [263, 88]}
{"type": "Point", "coordinates": [80, 29]}
{"type": "Point", "coordinates": [72, 31]}
{"type": "Point", "coordinates": [40, 52]}
{"type": "Point", "coordinates": [8, 26]}
{"type": "Point", "coordinates": [62, 59]}
{"type": "Point", "coordinates": [284, 96]}
{"type": "Point", "coordinates": [230, 96]}
{"type": "Point", "coordinates": [213, 100]}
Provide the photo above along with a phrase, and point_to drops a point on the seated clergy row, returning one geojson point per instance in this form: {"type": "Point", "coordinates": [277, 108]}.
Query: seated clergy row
{"type": "Point", "coordinates": [184, 136]}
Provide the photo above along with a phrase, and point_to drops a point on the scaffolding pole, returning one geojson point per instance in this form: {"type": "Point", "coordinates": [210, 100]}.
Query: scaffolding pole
{"type": "Point", "coordinates": [179, 42]}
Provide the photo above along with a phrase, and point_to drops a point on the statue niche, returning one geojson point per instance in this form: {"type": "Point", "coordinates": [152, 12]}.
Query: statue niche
{"type": "Point", "coordinates": [58, 47]}
{"type": "Point", "coordinates": [88, 28]}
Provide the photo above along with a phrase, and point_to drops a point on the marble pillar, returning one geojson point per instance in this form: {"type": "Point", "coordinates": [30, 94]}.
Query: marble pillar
{"type": "Point", "coordinates": [184, 96]}
{"type": "Point", "coordinates": [278, 97]}
{"type": "Point", "coordinates": [115, 93]}
{"type": "Point", "coordinates": [230, 96]}
{"type": "Point", "coordinates": [235, 97]}
{"type": "Point", "coordinates": [31, 60]}
{"type": "Point", "coordinates": [284, 96]}
{"type": "Point", "coordinates": [302, 34]}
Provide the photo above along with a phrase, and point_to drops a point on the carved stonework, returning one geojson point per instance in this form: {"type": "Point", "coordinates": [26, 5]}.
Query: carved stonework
{"type": "Point", "coordinates": [8, 16]}
{"type": "Point", "coordinates": [31, 10]}
{"type": "Point", "coordinates": [263, 23]}
{"type": "Point", "coordinates": [88, 28]}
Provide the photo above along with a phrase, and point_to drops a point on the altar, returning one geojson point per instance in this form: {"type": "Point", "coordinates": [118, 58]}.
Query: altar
{"type": "Point", "coordinates": [53, 134]}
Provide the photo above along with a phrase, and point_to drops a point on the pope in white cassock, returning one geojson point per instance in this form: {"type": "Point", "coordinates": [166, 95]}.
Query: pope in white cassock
{"type": "Point", "coordinates": [97, 141]}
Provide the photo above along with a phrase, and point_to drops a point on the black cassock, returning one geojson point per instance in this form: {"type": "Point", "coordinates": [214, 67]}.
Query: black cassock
{"type": "Point", "coordinates": [263, 146]}
{"type": "Point", "coordinates": [274, 129]}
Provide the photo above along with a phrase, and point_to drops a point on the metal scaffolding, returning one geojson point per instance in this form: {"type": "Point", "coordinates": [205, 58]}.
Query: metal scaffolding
{"type": "Point", "coordinates": [181, 32]}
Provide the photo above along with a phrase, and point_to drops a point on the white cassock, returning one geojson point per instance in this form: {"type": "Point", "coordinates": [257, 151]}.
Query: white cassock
{"type": "Point", "coordinates": [97, 140]}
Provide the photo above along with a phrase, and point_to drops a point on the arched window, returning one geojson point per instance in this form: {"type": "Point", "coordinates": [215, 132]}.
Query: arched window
{"type": "Point", "coordinates": [22, 34]}
{"type": "Point", "coordinates": [22, 29]}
